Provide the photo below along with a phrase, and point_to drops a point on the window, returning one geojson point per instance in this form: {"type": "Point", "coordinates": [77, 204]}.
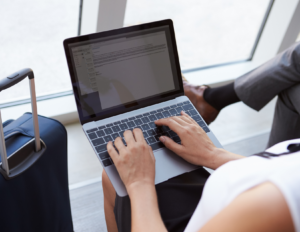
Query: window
{"type": "Point", "coordinates": [298, 38]}
{"type": "Point", "coordinates": [32, 34]}
{"type": "Point", "coordinates": [208, 32]}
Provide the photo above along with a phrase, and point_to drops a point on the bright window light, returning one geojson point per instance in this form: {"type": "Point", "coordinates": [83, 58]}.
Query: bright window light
{"type": "Point", "coordinates": [32, 34]}
{"type": "Point", "coordinates": [208, 32]}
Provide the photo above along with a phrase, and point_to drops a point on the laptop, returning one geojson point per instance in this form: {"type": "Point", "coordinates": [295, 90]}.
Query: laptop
{"type": "Point", "coordinates": [127, 78]}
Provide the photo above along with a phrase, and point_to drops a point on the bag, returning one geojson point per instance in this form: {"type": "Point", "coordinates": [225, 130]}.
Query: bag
{"type": "Point", "coordinates": [34, 191]}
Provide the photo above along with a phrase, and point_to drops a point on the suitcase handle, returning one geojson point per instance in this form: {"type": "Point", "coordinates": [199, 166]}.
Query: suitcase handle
{"type": "Point", "coordinates": [6, 83]}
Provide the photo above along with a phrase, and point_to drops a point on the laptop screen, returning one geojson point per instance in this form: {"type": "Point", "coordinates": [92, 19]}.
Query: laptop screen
{"type": "Point", "coordinates": [120, 71]}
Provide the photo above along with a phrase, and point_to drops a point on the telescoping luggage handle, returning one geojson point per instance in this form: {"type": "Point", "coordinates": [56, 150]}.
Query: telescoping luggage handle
{"type": "Point", "coordinates": [23, 158]}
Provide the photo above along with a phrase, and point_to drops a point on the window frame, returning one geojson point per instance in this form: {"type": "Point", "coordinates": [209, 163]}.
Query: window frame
{"type": "Point", "coordinates": [278, 32]}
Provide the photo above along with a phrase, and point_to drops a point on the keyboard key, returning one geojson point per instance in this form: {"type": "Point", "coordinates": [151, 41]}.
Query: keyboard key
{"type": "Point", "coordinates": [186, 102]}
{"type": "Point", "coordinates": [193, 112]}
{"type": "Point", "coordinates": [187, 107]}
{"type": "Point", "coordinates": [146, 114]}
{"type": "Point", "coordinates": [131, 124]}
{"type": "Point", "coordinates": [145, 127]}
{"type": "Point", "coordinates": [101, 127]}
{"type": "Point", "coordinates": [176, 139]}
{"type": "Point", "coordinates": [145, 120]}
{"type": "Point", "coordinates": [165, 128]}
{"type": "Point", "coordinates": [106, 162]}
{"type": "Point", "coordinates": [115, 135]}
{"type": "Point", "coordinates": [151, 140]}
{"type": "Point", "coordinates": [172, 112]}
{"type": "Point", "coordinates": [179, 109]}
{"type": "Point", "coordinates": [152, 118]}
{"type": "Point", "coordinates": [109, 125]}
{"type": "Point", "coordinates": [196, 118]}
{"type": "Point", "coordinates": [166, 114]}
{"type": "Point", "coordinates": [152, 125]}
{"type": "Point", "coordinates": [100, 133]}
{"type": "Point", "coordinates": [173, 106]}
{"type": "Point", "coordinates": [117, 123]}
{"type": "Point", "coordinates": [108, 138]}
{"type": "Point", "coordinates": [158, 130]}
{"type": "Point", "coordinates": [92, 136]}
{"type": "Point", "coordinates": [156, 146]}
{"type": "Point", "coordinates": [121, 133]}
{"type": "Point", "coordinates": [92, 130]}
{"type": "Point", "coordinates": [157, 137]}
{"type": "Point", "coordinates": [160, 110]}
{"type": "Point", "coordinates": [108, 131]}
{"type": "Point", "coordinates": [123, 126]}
{"type": "Point", "coordinates": [166, 134]}
{"type": "Point", "coordinates": [97, 142]}
{"type": "Point", "coordinates": [139, 116]}
{"type": "Point", "coordinates": [151, 132]}
{"type": "Point", "coordinates": [103, 155]}
{"type": "Point", "coordinates": [188, 113]}
{"type": "Point", "coordinates": [116, 128]}
{"type": "Point", "coordinates": [180, 104]}
{"type": "Point", "coordinates": [138, 127]}
{"type": "Point", "coordinates": [101, 148]}
{"type": "Point", "coordinates": [138, 122]}
{"type": "Point", "coordinates": [153, 112]}
{"type": "Point", "coordinates": [172, 133]}
{"type": "Point", "coordinates": [201, 123]}
{"type": "Point", "coordinates": [205, 128]}
{"type": "Point", "coordinates": [132, 118]}
{"type": "Point", "coordinates": [145, 135]}
{"type": "Point", "coordinates": [159, 115]}
{"type": "Point", "coordinates": [124, 120]}
{"type": "Point", "coordinates": [166, 108]}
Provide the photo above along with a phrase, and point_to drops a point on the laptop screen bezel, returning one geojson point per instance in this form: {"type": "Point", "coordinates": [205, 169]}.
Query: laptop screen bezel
{"type": "Point", "coordinates": [139, 103]}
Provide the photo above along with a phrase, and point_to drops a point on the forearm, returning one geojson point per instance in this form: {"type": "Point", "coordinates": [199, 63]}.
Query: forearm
{"type": "Point", "coordinates": [145, 214]}
{"type": "Point", "coordinates": [219, 157]}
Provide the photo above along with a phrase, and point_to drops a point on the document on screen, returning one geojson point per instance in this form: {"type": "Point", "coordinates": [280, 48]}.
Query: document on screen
{"type": "Point", "coordinates": [126, 69]}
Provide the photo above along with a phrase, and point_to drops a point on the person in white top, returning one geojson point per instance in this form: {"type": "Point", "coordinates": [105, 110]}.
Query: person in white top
{"type": "Point", "coordinates": [243, 194]}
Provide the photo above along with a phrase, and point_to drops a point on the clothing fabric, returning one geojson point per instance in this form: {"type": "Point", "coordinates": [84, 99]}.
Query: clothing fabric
{"type": "Point", "coordinates": [221, 97]}
{"type": "Point", "coordinates": [279, 76]}
{"type": "Point", "coordinates": [235, 177]}
{"type": "Point", "coordinates": [177, 200]}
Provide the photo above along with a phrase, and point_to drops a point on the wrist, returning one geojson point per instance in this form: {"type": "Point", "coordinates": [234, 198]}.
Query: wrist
{"type": "Point", "coordinates": [220, 156]}
{"type": "Point", "coordinates": [139, 187]}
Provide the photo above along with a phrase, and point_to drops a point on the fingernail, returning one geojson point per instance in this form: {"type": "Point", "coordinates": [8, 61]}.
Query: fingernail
{"type": "Point", "coordinates": [162, 139]}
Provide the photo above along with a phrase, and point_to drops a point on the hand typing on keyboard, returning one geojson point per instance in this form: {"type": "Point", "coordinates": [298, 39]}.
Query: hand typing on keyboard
{"type": "Point", "coordinates": [134, 162]}
{"type": "Point", "coordinates": [196, 147]}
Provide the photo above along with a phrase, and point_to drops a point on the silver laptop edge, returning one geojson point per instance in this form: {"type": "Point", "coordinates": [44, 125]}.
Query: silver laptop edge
{"type": "Point", "coordinates": [168, 164]}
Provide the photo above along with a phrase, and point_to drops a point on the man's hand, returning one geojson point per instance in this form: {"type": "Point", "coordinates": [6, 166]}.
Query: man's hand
{"type": "Point", "coordinates": [135, 163]}
{"type": "Point", "coordinates": [196, 147]}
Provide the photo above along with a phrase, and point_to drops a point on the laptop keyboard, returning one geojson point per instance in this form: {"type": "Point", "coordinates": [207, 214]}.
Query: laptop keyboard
{"type": "Point", "coordinates": [100, 136]}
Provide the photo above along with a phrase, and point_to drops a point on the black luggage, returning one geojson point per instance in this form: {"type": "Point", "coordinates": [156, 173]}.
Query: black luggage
{"type": "Point", "coordinates": [34, 191]}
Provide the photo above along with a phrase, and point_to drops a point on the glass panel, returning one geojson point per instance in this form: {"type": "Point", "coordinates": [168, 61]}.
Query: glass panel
{"type": "Point", "coordinates": [32, 34]}
{"type": "Point", "coordinates": [207, 31]}
{"type": "Point", "coordinates": [298, 38]}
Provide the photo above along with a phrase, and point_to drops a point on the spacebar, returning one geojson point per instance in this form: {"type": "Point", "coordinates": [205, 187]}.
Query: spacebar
{"type": "Point", "coordinates": [156, 146]}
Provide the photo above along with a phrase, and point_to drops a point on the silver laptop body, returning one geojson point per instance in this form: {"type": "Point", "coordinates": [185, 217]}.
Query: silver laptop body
{"type": "Point", "coordinates": [128, 78]}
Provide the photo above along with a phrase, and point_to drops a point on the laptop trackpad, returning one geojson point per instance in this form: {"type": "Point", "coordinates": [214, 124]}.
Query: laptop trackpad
{"type": "Point", "coordinates": [169, 165]}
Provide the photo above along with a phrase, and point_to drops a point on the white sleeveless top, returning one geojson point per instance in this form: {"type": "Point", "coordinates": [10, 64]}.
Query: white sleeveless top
{"type": "Point", "coordinates": [235, 177]}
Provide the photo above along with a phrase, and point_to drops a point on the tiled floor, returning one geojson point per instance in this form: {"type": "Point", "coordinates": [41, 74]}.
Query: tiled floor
{"type": "Point", "coordinates": [234, 123]}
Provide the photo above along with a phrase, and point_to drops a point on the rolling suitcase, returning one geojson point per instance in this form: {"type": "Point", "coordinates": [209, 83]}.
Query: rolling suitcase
{"type": "Point", "coordinates": [34, 193]}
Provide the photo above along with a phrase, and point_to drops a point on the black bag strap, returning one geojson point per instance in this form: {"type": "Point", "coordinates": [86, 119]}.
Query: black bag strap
{"type": "Point", "coordinates": [294, 147]}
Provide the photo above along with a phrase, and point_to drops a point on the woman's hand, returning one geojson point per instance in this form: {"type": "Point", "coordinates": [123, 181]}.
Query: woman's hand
{"type": "Point", "coordinates": [136, 166]}
{"type": "Point", "coordinates": [135, 163]}
{"type": "Point", "coordinates": [196, 147]}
